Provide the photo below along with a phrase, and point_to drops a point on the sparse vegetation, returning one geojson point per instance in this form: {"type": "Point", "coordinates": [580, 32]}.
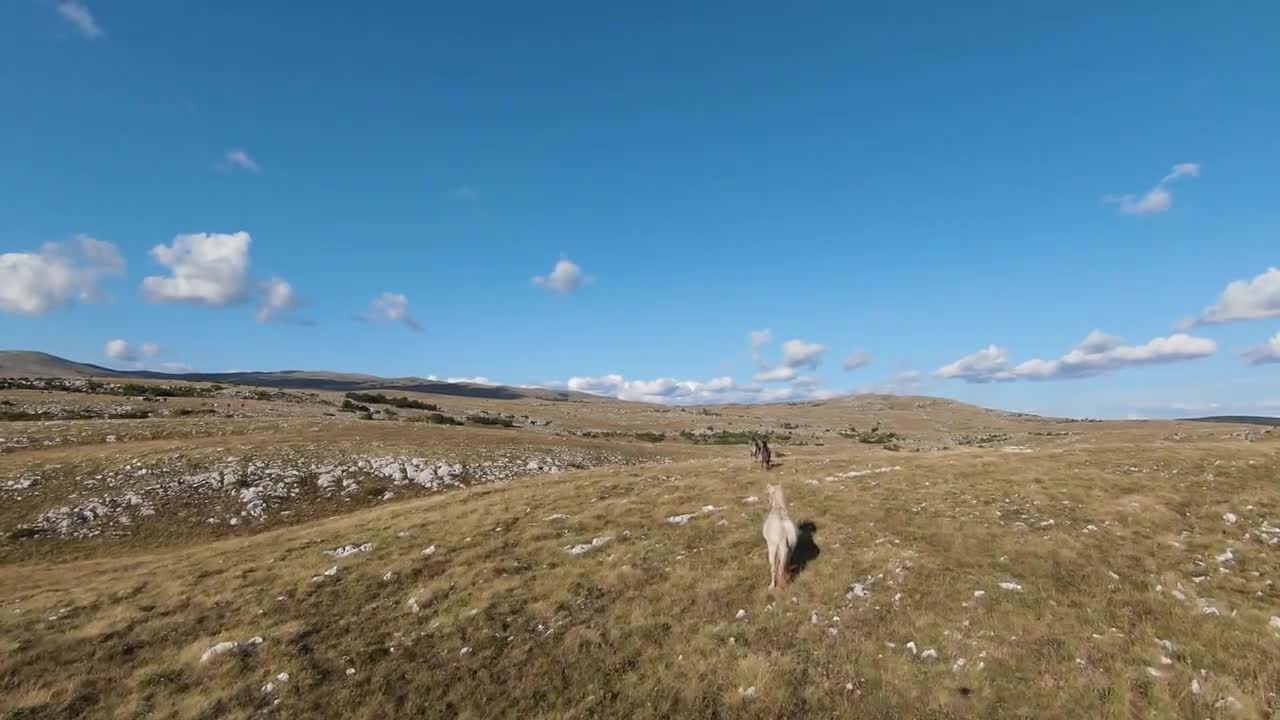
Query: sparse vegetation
{"type": "Point", "coordinates": [984, 439]}
{"type": "Point", "coordinates": [874, 436]}
{"type": "Point", "coordinates": [403, 403]}
{"type": "Point", "coordinates": [490, 420]}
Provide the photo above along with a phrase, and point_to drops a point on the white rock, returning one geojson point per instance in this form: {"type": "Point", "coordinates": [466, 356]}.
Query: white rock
{"type": "Point", "coordinates": [1112, 575]}
{"type": "Point", "coordinates": [1156, 673]}
{"type": "Point", "coordinates": [1229, 703]}
{"type": "Point", "coordinates": [351, 671]}
{"type": "Point", "coordinates": [389, 576]}
{"type": "Point", "coordinates": [742, 615]}
{"type": "Point", "coordinates": [814, 618]}
{"type": "Point", "coordinates": [282, 677]}
{"type": "Point", "coordinates": [751, 499]}
{"type": "Point", "coordinates": [912, 647]}
{"type": "Point", "coordinates": [268, 688]}
{"type": "Point", "coordinates": [587, 547]}
{"type": "Point", "coordinates": [412, 604]}
{"type": "Point", "coordinates": [857, 590]}
{"type": "Point", "coordinates": [680, 519]}
{"type": "Point", "coordinates": [979, 593]}
{"type": "Point", "coordinates": [1225, 557]}
{"type": "Point", "coordinates": [556, 516]}
{"type": "Point", "coordinates": [747, 692]}
{"type": "Point", "coordinates": [225, 646]}
{"type": "Point", "coordinates": [1275, 622]}
{"type": "Point", "coordinates": [1229, 518]}
{"type": "Point", "coordinates": [465, 651]}
{"type": "Point", "coordinates": [1195, 687]}
{"type": "Point", "coordinates": [1011, 586]}
{"type": "Point", "coordinates": [428, 552]}
{"type": "Point", "coordinates": [959, 665]}
{"type": "Point", "coordinates": [331, 571]}
{"type": "Point", "coordinates": [348, 550]}
{"type": "Point", "coordinates": [929, 654]}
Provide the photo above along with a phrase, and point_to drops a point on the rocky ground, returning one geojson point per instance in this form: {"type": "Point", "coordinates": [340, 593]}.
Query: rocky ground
{"type": "Point", "coordinates": [290, 559]}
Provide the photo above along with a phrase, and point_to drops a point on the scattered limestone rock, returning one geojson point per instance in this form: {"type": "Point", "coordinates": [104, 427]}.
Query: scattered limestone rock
{"type": "Point", "coordinates": [331, 571]}
{"type": "Point", "coordinates": [742, 614]}
{"type": "Point", "coordinates": [348, 550]}
{"type": "Point", "coordinates": [428, 552]}
{"type": "Point", "coordinates": [929, 654]}
{"type": "Point", "coordinates": [1230, 518]}
{"type": "Point", "coordinates": [680, 519]}
{"type": "Point", "coordinates": [225, 646]}
{"type": "Point", "coordinates": [1011, 586]}
{"type": "Point", "coordinates": [587, 547]}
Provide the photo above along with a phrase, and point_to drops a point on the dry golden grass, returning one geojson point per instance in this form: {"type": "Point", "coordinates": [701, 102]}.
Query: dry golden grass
{"type": "Point", "coordinates": [1099, 529]}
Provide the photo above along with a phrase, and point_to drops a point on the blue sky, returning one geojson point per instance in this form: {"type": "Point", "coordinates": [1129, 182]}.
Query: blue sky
{"type": "Point", "coordinates": [376, 192]}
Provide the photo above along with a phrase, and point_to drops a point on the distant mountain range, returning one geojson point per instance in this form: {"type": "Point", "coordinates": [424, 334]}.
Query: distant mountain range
{"type": "Point", "coordinates": [28, 363]}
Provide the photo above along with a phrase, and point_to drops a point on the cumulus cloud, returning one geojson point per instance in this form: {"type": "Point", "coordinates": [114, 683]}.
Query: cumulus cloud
{"type": "Point", "coordinates": [983, 366]}
{"type": "Point", "coordinates": [210, 269]}
{"type": "Point", "coordinates": [391, 307]}
{"type": "Point", "coordinates": [118, 349]}
{"type": "Point", "coordinates": [1267, 352]}
{"type": "Point", "coordinates": [778, 374]}
{"type": "Point", "coordinates": [77, 13]}
{"type": "Point", "coordinates": [1255, 299]}
{"type": "Point", "coordinates": [277, 300]}
{"type": "Point", "coordinates": [477, 380]}
{"type": "Point", "coordinates": [566, 277]}
{"type": "Point", "coordinates": [857, 359]}
{"type": "Point", "coordinates": [798, 353]}
{"type": "Point", "coordinates": [760, 338]}
{"type": "Point", "coordinates": [238, 160]}
{"type": "Point", "coordinates": [33, 283]}
{"type": "Point", "coordinates": [1095, 355]}
{"type": "Point", "coordinates": [1158, 199]}
{"type": "Point", "coordinates": [123, 351]}
{"type": "Point", "coordinates": [670, 391]}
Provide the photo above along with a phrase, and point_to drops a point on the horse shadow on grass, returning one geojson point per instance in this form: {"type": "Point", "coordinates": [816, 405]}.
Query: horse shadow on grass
{"type": "Point", "coordinates": [806, 550]}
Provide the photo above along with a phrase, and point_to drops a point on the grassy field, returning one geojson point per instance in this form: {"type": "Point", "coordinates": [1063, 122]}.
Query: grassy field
{"type": "Point", "coordinates": [1091, 570]}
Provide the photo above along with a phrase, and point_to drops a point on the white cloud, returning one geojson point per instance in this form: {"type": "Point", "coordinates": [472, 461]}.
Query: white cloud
{"type": "Point", "coordinates": [857, 359]}
{"type": "Point", "coordinates": [277, 300]}
{"type": "Point", "coordinates": [798, 353]}
{"type": "Point", "coordinates": [35, 283]}
{"type": "Point", "coordinates": [778, 374]}
{"type": "Point", "coordinates": [1267, 352]}
{"type": "Point", "coordinates": [1181, 170]}
{"type": "Point", "coordinates": [1158, 199]}
{"type": "Point", "coordinates": [78, 14]}
{"type": "Point", "coordinates": [670, 391]}
{"type": "Point", "coordinates": [122, 350]}
{"type": "Point", "coordinates": [760, 338]}
{"type": "Point", "coordinates": [239, 160]}
{"type": "Point", "coordinates": [392, 307]}
{"type": "Point", "coordinates": [983, 366]}
{"type": "Point", "coordinates": [209, 269]}
{"type": "Point", "coordinates": [1097, 341]}
{"type": "Point", "coordinates": [118, 349]}
{"type": "Point", "coordinates": [1254, 299]}
{"type": "Point", "coordinates": [477, 380]}
{"type": "Point", "coordinates": [566, 277]}
{"type": "Point", "coordinates": [1095, 355]}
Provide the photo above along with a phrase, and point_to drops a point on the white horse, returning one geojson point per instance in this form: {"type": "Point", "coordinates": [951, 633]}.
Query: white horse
{"type": "Point", "coordinates": [780, 534]}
